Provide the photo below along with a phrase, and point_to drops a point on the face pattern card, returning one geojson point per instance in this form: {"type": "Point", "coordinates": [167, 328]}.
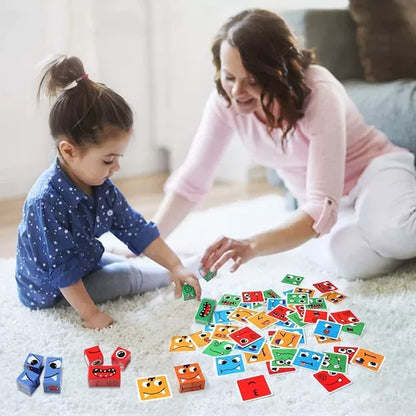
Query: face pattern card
{"type": "Point", "coordinates": [221, 332]}
{"type": "Point", "coordinates": [222, 316]}
{"type": "Point", "coordinates": [334, 362]}
{"type": "Point", "coordinates": [316, 303]}
{"type": "Point", "coordinates": [280, 312]}
{"type": "Point", "coordinates": [254, 348]}
{"type": "Point", "coordinates": [325, 286]}
{"type": "Point", "coordinates": [270, 294]}
{"type": "Point", "coordinates": [244, 336]}
{"type": "Point", "coordinates": [230, 364]}
{"type": "Point", "coordinates": [334, 297]}
{"type": "Point", "coordinates": [311, 316]}
{"type": "Point", "coordinates": [153, 388]}
{"type": "Point", "coordinates": [242, 314]}
{"type": "Point", "coordinates": [297, 299]}
{"type": "Point", "coordinates": [292, 279]}
{"type": "Point", "coordinates": [181, 343]}
{"type": "Point", "coordinates": [311, 360]}
{"type": "Point", "coordinates": [299, 331]}
{"type": "Point", "coordinates": [296, 318]}
{"type": "Point", "coordinates": [309, 292]}
{"type": "Point", "coordinates": [252, 297]}
{"type": "Point", "coordinates": [285, 339]}
{"type": "Point", "coordinates": [355, 329]}
{"type": "Point", "coordinates": [327, 328]}
{"type": "Point", "coordinates": [345, 317]}
{"type": "Point", "coordinates": [350, 351]}
{"type": "Point", "coordinates": [330, 381]}
{"type": "Point", "coordinates": [201, 338]}
{"type": "Point", "coordinates": [230, 300]}
{"type": "Point", "coordinates": [273, 303]}
{"type": "Point", "coordinates": [218, 348]}
{"type": "Point", "coordinates": [262, 320]}
{"type": "Point", "coordinates": [368, 359]}
{"type": "Point", "coordinates": [283, 357]}
{"type": "Point", "coordinates": [272, 369]}
{"type": "Point", "coordinates": [322, 339]}
{"type": "Point", "coordinates": [264, 355]}
{"type": "Point", "coordinates": [253, 388]}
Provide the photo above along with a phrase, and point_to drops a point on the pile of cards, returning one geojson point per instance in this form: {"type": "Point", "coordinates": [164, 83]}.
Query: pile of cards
{"type": "Point", "coordinates": [268, 327]}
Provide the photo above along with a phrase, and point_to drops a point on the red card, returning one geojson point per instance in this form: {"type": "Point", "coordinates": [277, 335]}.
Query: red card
{"type": "Point", "coordinates": [250, 297]}
{"type": "Point", "coordinates": [244, 336]}
{"type": "Point", "coordinates": [254, 388]}
{"type": "Point", "coordinates": [312, 315]}
{"type": "Point", "coordinates": [345, 317]}
{"type": "Point", "coordinates": [325, 286]}
{"type": "Point", "coordinates": [331, 381]}
{"type": "Point", "coordinates": [271, 370]}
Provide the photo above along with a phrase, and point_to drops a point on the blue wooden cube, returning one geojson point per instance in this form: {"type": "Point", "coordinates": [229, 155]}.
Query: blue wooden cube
{"type": "Point", "coordinates": [28, 381]}
{"type": "Point", "coordinates": [52, 375]}
{"type": "Point", "coordinates": [34, 362]}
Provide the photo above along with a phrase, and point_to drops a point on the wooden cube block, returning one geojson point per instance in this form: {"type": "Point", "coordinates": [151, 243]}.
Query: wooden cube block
{"type": "Point", "coordinates": [104, 376]}
{"type": "Point", "coordinates": [121, 357]}
{"type": "Point", "coordinates": [205, 311]}
{"type": "Point", "coordinates": [190, 377]}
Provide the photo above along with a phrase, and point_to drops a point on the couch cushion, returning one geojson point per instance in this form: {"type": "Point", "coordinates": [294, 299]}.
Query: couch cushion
{"type": "Point", "coordinates": [331, 33]}
{"type": "Point", "coordinates": [389, 106]}
{"type": "Point", "coordinates": [386, 37]}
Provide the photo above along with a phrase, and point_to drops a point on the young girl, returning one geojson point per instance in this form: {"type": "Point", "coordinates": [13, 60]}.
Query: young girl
{"type": "Point", "coordinates": [59, 258]}
{"type": "Point", "coordinates": [356, 190]}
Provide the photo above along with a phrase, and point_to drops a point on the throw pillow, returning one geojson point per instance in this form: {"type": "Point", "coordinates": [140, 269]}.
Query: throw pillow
{"type": "Point", "coordinates": [386, 38]}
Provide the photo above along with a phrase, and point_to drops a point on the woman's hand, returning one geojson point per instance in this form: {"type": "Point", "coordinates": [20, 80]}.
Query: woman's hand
{"type": "Point", "coordinates": [216, 255]}
{"type": "Point", "coordinates": [98, 320]}
{"type": "Point", "coordinates": [180, 276]}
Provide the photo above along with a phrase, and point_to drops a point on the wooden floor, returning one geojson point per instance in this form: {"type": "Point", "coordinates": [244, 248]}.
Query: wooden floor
{"type": "Point", "coordinates": [143, 193]}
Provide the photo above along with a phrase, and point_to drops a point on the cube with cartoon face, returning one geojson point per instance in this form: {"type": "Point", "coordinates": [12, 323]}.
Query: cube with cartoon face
{"type": "Point", "coordinates": [93, 356]}
{"type": "Point", "coordinates": [190, 377]}
{"type": "Point", "coordinates": [104, 376]}
{"type": "Point", "coordinates": [121, 357]}
{"type": "Point", "coordinates": [34, 362]}
{"type": "Point", "coordinates": [28, 381]}
{"type": "Point", "coordinates": [53, 375]}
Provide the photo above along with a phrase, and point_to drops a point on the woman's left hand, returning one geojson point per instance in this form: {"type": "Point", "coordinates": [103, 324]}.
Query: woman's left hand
{"type": "Point", "coordinates": [224, 249]}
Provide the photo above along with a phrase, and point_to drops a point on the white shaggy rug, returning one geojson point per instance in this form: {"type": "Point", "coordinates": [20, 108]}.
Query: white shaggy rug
{"type": "Point", "coordinates": [145, 325]}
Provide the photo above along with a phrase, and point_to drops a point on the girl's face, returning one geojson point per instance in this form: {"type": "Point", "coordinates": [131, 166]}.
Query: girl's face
{"type": "Point", "coordinates": [92, 166]}
{"type": "Point", "coordinates": [241, 87]}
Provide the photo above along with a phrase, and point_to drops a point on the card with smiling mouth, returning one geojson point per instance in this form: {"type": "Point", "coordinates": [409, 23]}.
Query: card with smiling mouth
{"type": "Point", "coordinates": [153, 388]}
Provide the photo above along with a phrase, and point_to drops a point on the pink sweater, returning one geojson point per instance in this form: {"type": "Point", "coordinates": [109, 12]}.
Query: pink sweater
{"type": "Point", "coordinates": [323, 158]}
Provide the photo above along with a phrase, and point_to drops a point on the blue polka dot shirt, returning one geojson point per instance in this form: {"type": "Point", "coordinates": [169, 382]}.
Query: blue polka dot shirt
{"type": "Point", "coordinates": [57, 238]}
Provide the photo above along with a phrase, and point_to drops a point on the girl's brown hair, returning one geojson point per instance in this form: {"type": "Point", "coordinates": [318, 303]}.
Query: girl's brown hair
{"type": "Point", "coordinates": [269, 53]}
{"type": "Point", "coordinates": [82, 111]}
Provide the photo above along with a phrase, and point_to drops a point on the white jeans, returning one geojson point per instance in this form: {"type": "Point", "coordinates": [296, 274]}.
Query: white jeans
{"type": "Point", "coordinates": [376, 227]}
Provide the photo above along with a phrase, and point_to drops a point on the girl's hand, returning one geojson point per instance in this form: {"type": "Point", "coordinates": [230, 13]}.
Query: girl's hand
{"type": "Point", "coordinates": [224, 249]}
{"type": "Point", "coordinates": [180, 275]}
{"type": "Point", "coordinates": [98, 320]}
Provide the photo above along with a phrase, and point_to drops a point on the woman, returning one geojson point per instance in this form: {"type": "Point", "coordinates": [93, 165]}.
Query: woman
{"type": "Point", "coordinates": [356, 190]}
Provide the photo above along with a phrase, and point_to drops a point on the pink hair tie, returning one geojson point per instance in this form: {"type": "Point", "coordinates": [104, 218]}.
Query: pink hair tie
{"type": "Point", "coordinates": [81, 78]}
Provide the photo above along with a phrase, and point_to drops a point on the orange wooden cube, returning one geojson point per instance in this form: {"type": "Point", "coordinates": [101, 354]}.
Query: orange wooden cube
{"type": "Point", "coordinates": [190, 377]}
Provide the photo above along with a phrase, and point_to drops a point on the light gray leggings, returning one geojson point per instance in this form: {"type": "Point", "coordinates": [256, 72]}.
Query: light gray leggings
{"type": "Point", "coordinates": [119, 276]}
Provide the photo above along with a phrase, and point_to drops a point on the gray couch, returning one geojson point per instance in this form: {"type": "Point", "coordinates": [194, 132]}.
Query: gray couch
{"type": "Point", "coordinates": [390, 106]}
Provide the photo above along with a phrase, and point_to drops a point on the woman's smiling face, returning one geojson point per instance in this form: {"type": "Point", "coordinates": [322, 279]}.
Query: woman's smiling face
{"type": "Point", "coordinates": [241, 87]}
